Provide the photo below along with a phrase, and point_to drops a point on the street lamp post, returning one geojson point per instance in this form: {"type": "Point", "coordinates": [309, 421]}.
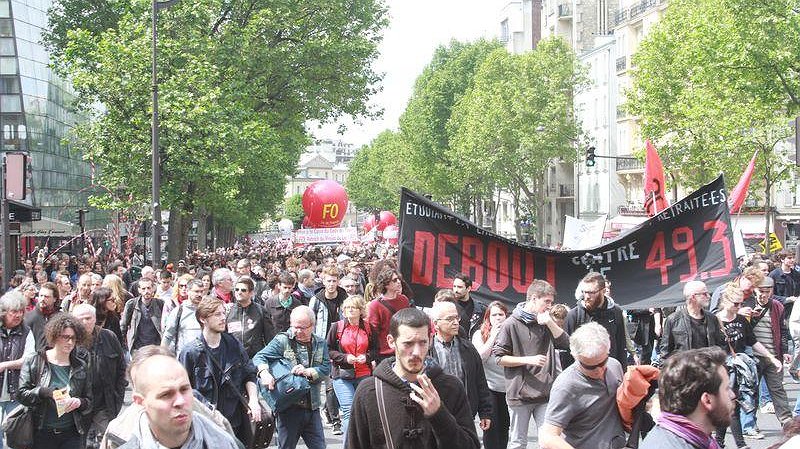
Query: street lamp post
{"type": "Point", "coordinates": [155, 232]}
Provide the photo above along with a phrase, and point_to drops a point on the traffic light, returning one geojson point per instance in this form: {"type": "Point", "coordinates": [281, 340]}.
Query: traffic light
{"type": "Point", "coordinates": [590, 157]}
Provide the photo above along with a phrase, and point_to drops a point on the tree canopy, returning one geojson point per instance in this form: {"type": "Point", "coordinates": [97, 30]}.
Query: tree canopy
{"type": "Point", "coordinates": [238, 80]}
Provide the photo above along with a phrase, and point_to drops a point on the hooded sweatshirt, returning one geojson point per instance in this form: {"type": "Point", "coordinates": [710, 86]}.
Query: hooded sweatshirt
{"type": "Point", "coordinates": [610, 316]}
{"type": "Point", "coordinates": [450, 426]}
{"type": "Point", "coordinates": [520, 336]}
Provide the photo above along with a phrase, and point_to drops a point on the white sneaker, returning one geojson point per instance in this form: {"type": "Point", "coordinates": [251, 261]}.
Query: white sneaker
{"type": "Point", "coordinates": [767, 408]}
{"type": "Point", "coordinates": [754, 434]}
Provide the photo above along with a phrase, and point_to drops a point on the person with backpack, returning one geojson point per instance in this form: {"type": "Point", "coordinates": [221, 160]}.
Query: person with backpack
{"type": "Point", "coordinates": [220, 370]}
{"type": "Point", "coordinates": [182, 326]}
{"type": "Point", "coordinates": [352, 347]}
{"type": "Point", "coordinates": [389, 285]}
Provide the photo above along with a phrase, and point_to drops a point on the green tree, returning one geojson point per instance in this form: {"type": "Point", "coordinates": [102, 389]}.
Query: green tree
{"type": "Point", "coordinates": [376, 173]}
{"type": "Point", "coordinates": [515, 121]}
{"type": "Point", "coordinates": [423, 124]}
{"type": "Point", "coordinates": [713, 82]}
{"type": "Point", "coordinates": [238, 81]}
{"type": "Point", "coordinates": [293, 210]}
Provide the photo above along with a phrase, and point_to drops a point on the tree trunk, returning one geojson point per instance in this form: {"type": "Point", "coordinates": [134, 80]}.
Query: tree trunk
{"type": "Point", "coordinates": [202, 229]}
{"type": "Point", "coordinates": [180, 221]}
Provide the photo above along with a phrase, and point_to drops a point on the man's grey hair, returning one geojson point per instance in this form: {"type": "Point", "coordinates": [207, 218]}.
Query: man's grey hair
{"type": "Point", "coordinates": [96, 277]}
{"type": "Point", "coordinates": [440, 308]}
{"type": "Point", "coordinates": [85, 276]}
{"type": "Point", "coordinates": [147, 271]}
{"type": "Point", "coordinates": [304, 274]}
{"type": "Point", "coordinates": [12, 300]}
{"type": "Point", "coordinates": [303, 310]}
{"type": "Point", "coordinates": [590, 340]}
{"type": "Point", "coordinates": [220, 274]}
{"type": "Point", "coordinates": [692, 287]}
{"type": "Point", "coordinates": [87, 307]}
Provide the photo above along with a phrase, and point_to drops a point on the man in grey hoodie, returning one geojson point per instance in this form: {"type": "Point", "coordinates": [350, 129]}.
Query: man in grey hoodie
{"type": "Point", "coordinates": [526, 348]}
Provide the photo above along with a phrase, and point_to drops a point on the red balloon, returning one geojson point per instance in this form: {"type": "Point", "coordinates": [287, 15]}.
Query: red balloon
{"type": "Point", "coordinates": [369, 223]}
{"type": "Point", "coordinates": [306, 223]}
{"type": "Point", "coordinates": [387, 219]}
{"type": "Point", "coordinates": [325, 204]}
{"type": "Point", "coordinates": [391, 234]}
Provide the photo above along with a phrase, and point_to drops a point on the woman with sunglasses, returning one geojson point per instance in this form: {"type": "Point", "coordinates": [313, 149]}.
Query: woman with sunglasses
{"type": "Point", "coordinates": [739, 334]}
{"type": "Point", "coordinates": [179, 294]}
{"type": "Point", "coordinates": [53, 383]}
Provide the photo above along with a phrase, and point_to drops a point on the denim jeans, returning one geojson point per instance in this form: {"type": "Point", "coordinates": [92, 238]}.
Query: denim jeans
{"type": "Point", "coordinates": [764, 396]}
{"type": "Point", "coordinates": [345, 389]}
{"type": "Point", "coordinates": [296, 422]}
{"type": "Point", "coordinates": [5, 408]}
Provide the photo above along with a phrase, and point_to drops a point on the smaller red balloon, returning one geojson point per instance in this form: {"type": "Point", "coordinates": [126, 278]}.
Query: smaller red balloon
{"type": "Point", "coordinates": [369, 223]}
{"type": "Point", "coordinates": [391, 234]}
{"type": "Point", "coordinates": [386, 219]}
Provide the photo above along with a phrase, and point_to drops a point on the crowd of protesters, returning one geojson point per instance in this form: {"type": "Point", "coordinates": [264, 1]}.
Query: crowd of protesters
{"type": "Point", "coordinates": [383, 372]}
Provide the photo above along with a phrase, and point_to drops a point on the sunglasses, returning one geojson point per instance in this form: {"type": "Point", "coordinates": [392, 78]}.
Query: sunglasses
{"type": "Point", "coordinates": [242, 289]}
{"type": "Point", "coordinates": [594, 367]}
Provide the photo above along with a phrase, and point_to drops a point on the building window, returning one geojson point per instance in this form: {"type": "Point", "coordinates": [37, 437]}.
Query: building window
{"type": "Point", "coordinates": [8, 66]}
{"type": "Point", "coordinates": [504, 33]}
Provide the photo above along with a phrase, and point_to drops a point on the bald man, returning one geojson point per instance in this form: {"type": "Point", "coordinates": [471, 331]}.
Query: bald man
{"type": "Point", "coordinates": [165, 396]}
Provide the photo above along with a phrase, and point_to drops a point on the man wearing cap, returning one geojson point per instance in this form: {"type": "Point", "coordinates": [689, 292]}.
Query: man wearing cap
{"type": "Point", "coordinates": [770, 330]}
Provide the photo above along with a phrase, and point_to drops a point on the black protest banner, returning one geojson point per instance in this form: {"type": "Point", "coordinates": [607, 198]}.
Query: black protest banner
{"type": "Point", "coordinates": [692, 240]}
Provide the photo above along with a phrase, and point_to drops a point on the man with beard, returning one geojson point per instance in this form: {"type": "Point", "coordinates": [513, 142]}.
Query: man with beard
{"type": "Point", "coordinates": [107, 374]}
{"type": "Point", "coordinates": [470, 311]}
{"type": "Point", "coordinates": [696, 398]}
{"type": "Point", "coordinates": [691, 327]}
{"type": "Point", "coordinates": [247, 320]}
{"type": "Point", "coordinates": [45, 308]}
{"type": "Point", "coordinates": [410, 401]}
{"type": "Point", "coordinates": [598, 307]}
{"type": "Point", "coordinates": [81, 295]}
{"type": "Point", "coordinates": [141, 318]}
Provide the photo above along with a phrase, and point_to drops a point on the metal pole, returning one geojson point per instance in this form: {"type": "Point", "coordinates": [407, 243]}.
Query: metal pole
{"type": "Point", "coordinates": [156, 167]}
{"type": "Point", "coordinates": [6, 256]}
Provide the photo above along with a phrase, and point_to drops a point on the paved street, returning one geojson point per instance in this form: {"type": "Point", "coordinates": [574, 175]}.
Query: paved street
{"type": "Point", "coordinates": [767, 423]}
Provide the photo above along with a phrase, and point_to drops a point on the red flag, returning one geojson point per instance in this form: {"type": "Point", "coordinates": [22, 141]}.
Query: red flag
{"type": "Point", "coordinates": [654, 189]}
{"type": "Point", "coordinates": [739, 193]}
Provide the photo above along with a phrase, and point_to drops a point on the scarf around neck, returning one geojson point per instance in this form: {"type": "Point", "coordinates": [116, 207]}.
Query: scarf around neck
{"type": "Point", "coordinates": [688, 430]}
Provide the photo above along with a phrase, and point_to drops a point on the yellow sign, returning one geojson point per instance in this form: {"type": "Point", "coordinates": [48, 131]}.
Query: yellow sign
{"type": "Point", "coordinates": [774, 244]}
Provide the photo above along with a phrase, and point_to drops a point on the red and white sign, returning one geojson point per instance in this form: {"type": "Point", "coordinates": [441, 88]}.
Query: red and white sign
{"type": "Point", "coordinates": [325, 235]}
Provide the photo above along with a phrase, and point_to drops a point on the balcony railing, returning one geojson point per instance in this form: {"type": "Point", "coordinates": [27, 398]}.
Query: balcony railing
{"type": "Point", "coordinates": [620, 17]}
{"type": "Point", "coordinates": [564, 11]}
{"type": "Point", "coordinates": [622, 63]}
{"type": "Point", "coordinates": [629, 164]}
{"type": "Point", "coordinates": [566, 190]}
{"type": "Point", "coordinates": [635, 11]}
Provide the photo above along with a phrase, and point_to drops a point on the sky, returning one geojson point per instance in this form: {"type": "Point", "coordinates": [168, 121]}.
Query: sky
{"type": "Point", "coordinates": [416, 29]}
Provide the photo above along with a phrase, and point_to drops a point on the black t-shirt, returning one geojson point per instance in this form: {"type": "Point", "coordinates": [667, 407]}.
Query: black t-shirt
{"type": "Point", "coordinates": [739, 333]}
{"type": "Point", "coordinates": [699, 336]}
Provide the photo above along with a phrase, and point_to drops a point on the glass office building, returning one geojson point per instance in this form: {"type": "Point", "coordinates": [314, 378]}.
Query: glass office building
{"type": "Point", "coordinates": [35, 116]}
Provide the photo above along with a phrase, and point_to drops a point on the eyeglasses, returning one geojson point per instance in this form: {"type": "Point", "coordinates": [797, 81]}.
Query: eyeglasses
{"type": "Point", "coordinates": [452, 319]}
{"type": "Point", "coordinates": [67, 337]}
{"type": "Point", "coordinates": [301, 328]}
{"type": "Point", "coordinates": [242, 289]}
{"type": "Point", "coordinates": [594, 367]}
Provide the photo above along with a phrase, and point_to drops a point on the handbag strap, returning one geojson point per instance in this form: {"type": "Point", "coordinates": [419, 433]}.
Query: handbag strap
{"type": "Point", "coordinates": [382, 412]}
{"type": "Point", "coordinates": [223, 380]}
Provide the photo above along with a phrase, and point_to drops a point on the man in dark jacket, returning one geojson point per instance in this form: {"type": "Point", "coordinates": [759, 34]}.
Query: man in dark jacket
{"type": "Point", "coordinates": [787, 279]}
{"type": "Point", "coordinates": [219, 369]}
{"type": "Point", "coordinates": [599, 308]}
{"type": "Point", "coordinates": [141, 318]}
{"type": "Point", "coordinates": [280, 307]}
{"type": "Point", "coordinates": [247, 320]}
{"type": "Point", "coordinates": [46, 307]}
{"type": "Point", "coordinates": [691, 326]}
{"type": "Point", "coordinates": [470, 311]}
{"type": "Point", "coordinates": [526, 349]}
{"type": "Point", "coordinates": [458, 357]}
{"type": "Point", "coordinates": [106, 374]}
{"type": "Point", "coordinates": [420, 406]}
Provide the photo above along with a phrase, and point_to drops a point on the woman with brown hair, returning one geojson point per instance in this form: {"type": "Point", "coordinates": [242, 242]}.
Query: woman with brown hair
{"type": "Point", "coordinates": [390, 299]}
{"type": "Point", "coordinates": [53, 383]}
{"type": "Point", "coordinates": [106, 311]}
{"type": "Point", "coordinates": [483, 339]}
{"type": "Point", "coordinates": [118, 293]}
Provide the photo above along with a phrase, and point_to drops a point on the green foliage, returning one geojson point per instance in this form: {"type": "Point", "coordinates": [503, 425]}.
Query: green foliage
{"type": "Point", "coordinates": [423, 125]}
{"type": "Point", "coordinates": [375, 174]}
{"type": "Point", "coordinates": [714, 81]}
{"type": "Point", "coordinates": [237, 81]}
{"type": "Point", "coordinates": [516, 119]}
{"type": "Point", "coordinates": [293, 210]}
